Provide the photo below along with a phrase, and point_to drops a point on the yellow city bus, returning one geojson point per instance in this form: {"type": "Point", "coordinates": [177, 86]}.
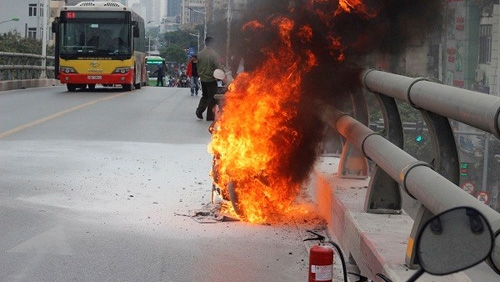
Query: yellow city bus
{"type": "Point", "coordinates": [99, 43]}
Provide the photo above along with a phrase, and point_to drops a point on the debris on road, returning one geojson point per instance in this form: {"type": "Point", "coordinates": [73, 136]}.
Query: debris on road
{"type": "Point", "coordinates": [210, 213]}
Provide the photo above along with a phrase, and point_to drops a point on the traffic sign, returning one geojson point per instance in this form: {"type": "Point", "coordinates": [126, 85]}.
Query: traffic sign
{"type": "Point", "coordinates": [468, 187]}
{"type": "Point", "coordinates": [191, 51]}
{"type": "Point", "coordinates": [483, 197]}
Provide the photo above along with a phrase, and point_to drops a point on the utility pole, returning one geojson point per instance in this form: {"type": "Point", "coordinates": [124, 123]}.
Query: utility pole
{"type": "Point", "coordinates": [37, 11]}
{"type": "Point", "coordinates": [205, 27]}
{"type": "Point", "coordinates": [43, 73]}
{"type": "Point", "coordinates": [486, 155]}
{"type": "Point", "coordinates": [149, 37]}
{"type": "Point", "coordinates": [197, 35]}
{"type": "Point", "coordinates": [228, 40]}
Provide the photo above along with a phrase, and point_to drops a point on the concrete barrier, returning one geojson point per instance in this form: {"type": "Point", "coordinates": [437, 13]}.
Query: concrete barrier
{"type": "Point", "coordinates": [375, 243]}
{"type": "Point", "coordinates": [27, 83]}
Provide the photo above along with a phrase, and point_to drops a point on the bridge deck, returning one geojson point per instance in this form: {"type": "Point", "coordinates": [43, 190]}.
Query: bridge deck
{"type": "Point", "coordinates": [377, 246]}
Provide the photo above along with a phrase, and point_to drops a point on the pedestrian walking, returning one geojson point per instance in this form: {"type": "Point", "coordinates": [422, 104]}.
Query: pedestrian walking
{"type": "Point", "coordinates": [192, 73]}
{"type": "Point", "coordinates": [160, 73]}
{"type": "Point", "coordinates": [208, 61]}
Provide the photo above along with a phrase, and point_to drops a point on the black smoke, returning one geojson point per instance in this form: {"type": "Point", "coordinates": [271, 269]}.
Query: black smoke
{"type": "Point", "coordinates": [385, 27]}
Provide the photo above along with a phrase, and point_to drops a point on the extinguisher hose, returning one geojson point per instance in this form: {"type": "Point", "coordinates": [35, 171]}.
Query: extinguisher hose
{"type": "Point", "coordinates": [341, 255]}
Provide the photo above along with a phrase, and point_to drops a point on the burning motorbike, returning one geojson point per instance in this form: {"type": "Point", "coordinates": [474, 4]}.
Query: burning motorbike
{"type": "Point", "coordinates": [229, 194]}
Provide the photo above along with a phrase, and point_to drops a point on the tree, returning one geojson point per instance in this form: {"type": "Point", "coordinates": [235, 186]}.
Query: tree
{"type": "Point", "coordinates": [174, 53]}
{"type": "Point", "coordinates": [180, 38]}
{"type": "Point", "coordinates": [13, 42]}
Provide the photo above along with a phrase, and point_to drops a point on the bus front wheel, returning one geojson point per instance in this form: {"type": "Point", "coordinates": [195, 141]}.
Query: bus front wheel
{"type": "Point", "coordinates": [71, 87]}
{"type": "Point", "coordinates": [127, 87]}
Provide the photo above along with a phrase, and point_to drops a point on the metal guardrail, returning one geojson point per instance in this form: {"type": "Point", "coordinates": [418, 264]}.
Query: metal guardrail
{"type": "Point", "coordinates": [433, 185]}
{"type": "Point", "coordinates": [18, 66]}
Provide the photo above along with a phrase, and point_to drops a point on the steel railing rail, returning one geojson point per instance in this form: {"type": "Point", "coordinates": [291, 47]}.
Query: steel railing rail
{"type": "Point", "coordinates": [433, 186]}
{"type": "Point", "coordinates": [456, 103]}
{"type": "Point", "coordinates": [20, 66]}
{"type": "Point", "coordinates": [417, 178]}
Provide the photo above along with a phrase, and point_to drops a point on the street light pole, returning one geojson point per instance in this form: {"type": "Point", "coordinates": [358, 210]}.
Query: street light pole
{"type": "Point", "coordinates": [228, 41]}
{"type": "Point", "coordinates": [197, 37]}
{"type": "Point", "coordinates": [205, 28]}
{"type": "Point", "coordinates": [43, 73]}
{"type": "Point", "coordinates": [11, 20]}
{"type": "Point", "coordinates": [204, 24]}
{"type": "Point", "coordinates": [149, 37]}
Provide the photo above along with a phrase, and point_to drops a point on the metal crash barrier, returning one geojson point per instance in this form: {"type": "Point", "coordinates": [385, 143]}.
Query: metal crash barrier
{"type": "Point", "coordinates": [18, 66]}
{"type": "Point", "coordinates": [18, 70]}
{"type": "Point", "coordinates": [434, 186]}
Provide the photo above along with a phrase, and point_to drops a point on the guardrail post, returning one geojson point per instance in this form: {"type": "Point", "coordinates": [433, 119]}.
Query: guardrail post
{"type": "Point", "coordinates": [417, 178]}
{"type": "Point", "coordinates": [353, 164]}
{"type": "Point", "coordinates": [384, 195]}
{"type": "Point", "coordinates": [422, 216]}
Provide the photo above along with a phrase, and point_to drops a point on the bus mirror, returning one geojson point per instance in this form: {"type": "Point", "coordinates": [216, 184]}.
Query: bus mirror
{"type": "Point", "coordinates": [135, 29]}
{"type": "Point", "coordinates": [55, 25]}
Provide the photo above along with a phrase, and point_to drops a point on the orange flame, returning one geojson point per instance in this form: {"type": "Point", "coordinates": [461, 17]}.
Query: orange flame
{"type": "Point", "coordinates": [349, 6]}
{"type": "Point", "coordinates": [253, 134]}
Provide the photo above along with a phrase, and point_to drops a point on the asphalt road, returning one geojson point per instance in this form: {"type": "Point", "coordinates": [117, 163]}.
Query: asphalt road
{"type": "Point", "coordinates": [99, 186]}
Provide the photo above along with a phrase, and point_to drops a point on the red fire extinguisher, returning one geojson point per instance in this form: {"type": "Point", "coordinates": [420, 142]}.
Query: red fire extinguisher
{"type": "Point", "coordinates": [320, 264]}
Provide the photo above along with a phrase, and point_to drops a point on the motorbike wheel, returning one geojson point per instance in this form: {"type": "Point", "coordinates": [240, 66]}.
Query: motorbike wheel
{"type": "Point", "coordinates": [233, 196]}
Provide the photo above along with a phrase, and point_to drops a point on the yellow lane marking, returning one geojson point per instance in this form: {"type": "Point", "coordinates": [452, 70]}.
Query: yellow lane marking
{"type": "Point", "coordinates": [61, 113]}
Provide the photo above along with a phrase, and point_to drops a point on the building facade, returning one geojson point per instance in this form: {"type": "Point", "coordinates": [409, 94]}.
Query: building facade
{"type": "Point", "coordinates": [29, 15]}
{"type": "Point", "coordinates": [193, 12]}
{"type": "Point", "coordinates": [470, 45]}
{"type": "Point", "coordinates": [174, 8]}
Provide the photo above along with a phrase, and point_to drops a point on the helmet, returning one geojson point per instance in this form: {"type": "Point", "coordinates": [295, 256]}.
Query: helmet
{"type": "Point", "coordinates": [219, 74]}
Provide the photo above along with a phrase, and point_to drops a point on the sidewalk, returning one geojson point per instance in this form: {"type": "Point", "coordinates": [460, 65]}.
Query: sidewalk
{"type": "Point", "coordinates": [377, 242]}
{"type": "Point", "coordinates": [27, 83]}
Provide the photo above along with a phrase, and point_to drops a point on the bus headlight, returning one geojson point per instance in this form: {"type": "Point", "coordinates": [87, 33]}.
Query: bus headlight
{"type": "Point", "coordinates": [122, 70]}
{"type": "Point", "coordinates": [67, 70]}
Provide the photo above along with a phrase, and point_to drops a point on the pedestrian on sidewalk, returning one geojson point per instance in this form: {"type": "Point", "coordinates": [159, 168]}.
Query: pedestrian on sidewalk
{"type": "Point", "coordinates": [208, 61]}
{"type": "Point", "coordinates": [192, 73]}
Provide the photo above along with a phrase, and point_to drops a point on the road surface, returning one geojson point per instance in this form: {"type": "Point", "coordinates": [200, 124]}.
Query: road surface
{"type": "Point", "coordinates": [100, 186]}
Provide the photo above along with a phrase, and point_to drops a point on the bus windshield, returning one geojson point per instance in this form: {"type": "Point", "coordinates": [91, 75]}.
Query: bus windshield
{"type": "Point", "coordinates": [95, 39]}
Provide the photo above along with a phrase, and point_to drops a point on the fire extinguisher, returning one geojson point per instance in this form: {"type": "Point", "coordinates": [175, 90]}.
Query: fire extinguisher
{"type": "Point", "coordinates": [320, 264]}
{"type": "Point", "coordinates": [321, 259]}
